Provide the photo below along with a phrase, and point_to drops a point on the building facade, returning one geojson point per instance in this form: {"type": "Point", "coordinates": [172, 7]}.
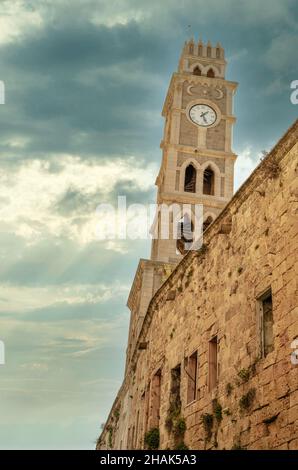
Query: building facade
{"type": "Point", "coordinates": [211, 358]}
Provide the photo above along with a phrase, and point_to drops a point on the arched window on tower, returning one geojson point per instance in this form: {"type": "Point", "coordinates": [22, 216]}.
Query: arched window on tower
{"type": "Point", "coordinates": [200, 50]}
{"type": "Point", "coordinates": [207, 222]}
{"type": "Point", "coordinates": [190, 179]}
{"type": "Point", "coordinates": [197, 71]}
{"type": "Point", "coordinates": [184, 234]}
{"type": "Point", "coordinates": [208, 51]}
{"type": "Point", "coordinates": [217, 53]}
{"type": "Point", "coordinates": [208, 181]}
{"type": "Point", "coordinates": [191, 48]}
{"type": "Point", "coordinates": [210, 73]}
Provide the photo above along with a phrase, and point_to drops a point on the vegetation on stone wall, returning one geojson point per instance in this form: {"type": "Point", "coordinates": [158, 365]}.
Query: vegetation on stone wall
{"type": "Point", "coordinates": [207, 420]}
{"type": "Point", "coordinates": [117, 413]}
{"type": "Point", "coordinates": [229, 389]}
{"type": "Point", "coordinates": [151, 439]}
{"type": "Point", "coordinates": [271, 167]}
{"type": "Point", "coordinates": [179, 427]}
{"type": "Point", "coordinates": [181, 446]}
{"type": "Point", "coordinates": [237, 445]}
{"type": "Point", "coordinates": [217, 410]}
{"type": "Point", "coordinates": [110, 437]}
{"type": "Point", "coordinates": [244, 374]}
{"type": "Point", "coordinates": [246, 400]}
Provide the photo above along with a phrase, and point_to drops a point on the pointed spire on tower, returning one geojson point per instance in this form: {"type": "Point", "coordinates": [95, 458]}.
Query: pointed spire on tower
{"type": "Point", "coordinates": [200, 47]}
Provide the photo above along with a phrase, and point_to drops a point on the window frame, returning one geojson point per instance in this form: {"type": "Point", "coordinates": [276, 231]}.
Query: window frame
{"type": "Point", "coordinates": [195, 379]}
{"type": "Point", "coordinates": [260, 312]}
{"type": "Point", "coordinates": [212, 384]}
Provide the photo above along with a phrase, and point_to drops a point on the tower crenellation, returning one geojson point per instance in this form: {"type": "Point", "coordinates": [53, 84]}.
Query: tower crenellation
{"type": "Point", "coordinates": [203, 54]}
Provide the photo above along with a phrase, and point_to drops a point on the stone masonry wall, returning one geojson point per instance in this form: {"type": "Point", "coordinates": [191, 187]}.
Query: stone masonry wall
{"type": "Point", "coordinates": [251, 247]}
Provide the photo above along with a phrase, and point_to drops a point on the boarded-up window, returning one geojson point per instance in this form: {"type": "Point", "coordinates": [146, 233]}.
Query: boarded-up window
{"type": "Point", "coordinates": [212, 363]}
{"type": "Point", "coordinates": [155, 400]}
{"type": "Point", "coordinates": [175, 398]}
{"type": "Point", "coordinates": [146, 415]}
{"type": "Point", "coordinates": [191, 372]}
{"type": "Point", "coordinates": [266, 312]}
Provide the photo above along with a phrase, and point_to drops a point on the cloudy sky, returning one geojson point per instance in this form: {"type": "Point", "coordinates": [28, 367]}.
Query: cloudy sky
{"type": "Point", "coordinates": [85, 83]}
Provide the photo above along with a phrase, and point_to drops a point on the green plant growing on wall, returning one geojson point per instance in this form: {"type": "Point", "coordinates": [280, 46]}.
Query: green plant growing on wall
{"type": "Point", "coordinates": [117, 413]}
{"type": "Point", "coordinates": [246, 400]}
{"type": "Point", "coordinates": [179, 427]}
{"type": "Point", "coordinates": [244, 374]}
{"type": "Point", "coordinates": [110, 438]}
{"type": "Point", "coordinates": [152, 439]}
{"type": "Point", "coordinates": [173, 414]}
{"type": "Point", "coordinates": [237, 445]}
{"type": "Point", "coordinates": [229, 389]}
{"type": "Point", "coordinates": [227, 412]}
{"type": "Point", "coordinates": [181, 446]}
{"type": "Point", "coordinates": [217, 410]}
{"type": "Point", "coordinates": [207, 420]}
{"type": "Point", "coordinates": [271, 167]}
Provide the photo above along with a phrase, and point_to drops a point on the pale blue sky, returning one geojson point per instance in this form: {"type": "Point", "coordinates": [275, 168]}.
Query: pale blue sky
{"type": "Point", "coordinates": [85, 83]}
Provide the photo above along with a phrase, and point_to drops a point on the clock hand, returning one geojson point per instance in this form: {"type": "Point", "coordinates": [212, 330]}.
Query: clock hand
{"type": "Point", "coordinates": [204, 114]}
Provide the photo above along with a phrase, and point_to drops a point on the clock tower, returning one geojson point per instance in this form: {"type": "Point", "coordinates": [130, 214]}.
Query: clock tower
{"type": "Point", "coordinates": [197, 165]}
{"type": "Point", "coordinates": [198, 161]}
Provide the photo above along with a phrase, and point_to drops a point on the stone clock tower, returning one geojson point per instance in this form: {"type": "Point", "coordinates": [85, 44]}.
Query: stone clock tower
{"type": "Point", "coordinates": [197, 162]}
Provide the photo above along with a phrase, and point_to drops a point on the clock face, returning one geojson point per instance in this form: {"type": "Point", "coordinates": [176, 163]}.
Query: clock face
{"type": "Point", "coordinates": [202, 115]}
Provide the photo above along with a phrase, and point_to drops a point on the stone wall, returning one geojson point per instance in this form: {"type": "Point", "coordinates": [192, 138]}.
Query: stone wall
{"type": "Point", "coordinates": [211, 305]}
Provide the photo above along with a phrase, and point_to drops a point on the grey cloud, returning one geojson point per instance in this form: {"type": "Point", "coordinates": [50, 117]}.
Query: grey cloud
{"type": "Point", "coordinates": [74, 202]}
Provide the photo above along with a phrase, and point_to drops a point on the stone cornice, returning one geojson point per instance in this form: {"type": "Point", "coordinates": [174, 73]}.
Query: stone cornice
{"type": "Point", "coordinates": [196, 151]}
{"type": "Point", "coordinates": [190, 198]}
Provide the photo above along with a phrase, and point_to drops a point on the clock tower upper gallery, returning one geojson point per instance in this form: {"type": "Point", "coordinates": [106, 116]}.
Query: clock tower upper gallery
{"type": "Point", "coordinates": [198, 160]}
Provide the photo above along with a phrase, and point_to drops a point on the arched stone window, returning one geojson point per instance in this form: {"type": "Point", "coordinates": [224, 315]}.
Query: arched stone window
{"type": "Point", "coordinates": [197, 71]}
{"type": "Point", "coordinates": [211, 73]}
{"type": "Point", "coordinates": [200, 50]}
{"type": "Point", "coordinates": [190, 179]}
{"type": "Point", "coordinates": [191, 48]}
{"type": "Point", "coordinates": [217, 53]}
{"type": "Point", "coordinates": [207, 222]}
{"type": "Point", "coordinates": [208, 181]}
{"type": "Point", "coordinates": [208, 51]}
{"type": "Point", "coordinates": [184, 234]}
